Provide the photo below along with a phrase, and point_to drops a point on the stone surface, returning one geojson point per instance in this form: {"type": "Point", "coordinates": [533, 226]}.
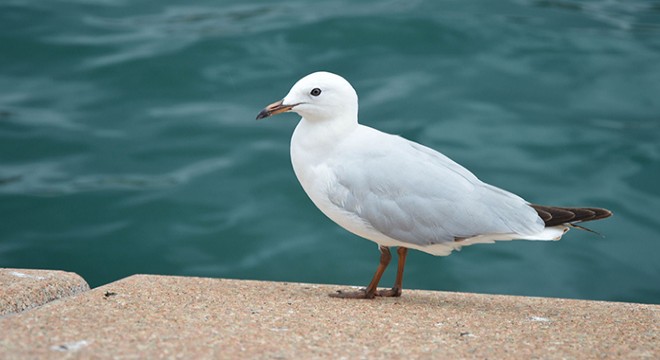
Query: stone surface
{"type": "Point", "coordinates": [22, 289]}
{"type": "Point", "coordinates": [176, 317]}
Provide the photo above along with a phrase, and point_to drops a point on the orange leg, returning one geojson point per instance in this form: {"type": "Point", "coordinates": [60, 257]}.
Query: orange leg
{"type": "Point", "coordinates": [372, 290]}
{"type": "Point", "coordinates": [395, 291]}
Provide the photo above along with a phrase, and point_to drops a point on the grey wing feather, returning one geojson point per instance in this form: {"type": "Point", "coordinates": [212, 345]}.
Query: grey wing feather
{"type": "Point", "coordinates": [414, 194]}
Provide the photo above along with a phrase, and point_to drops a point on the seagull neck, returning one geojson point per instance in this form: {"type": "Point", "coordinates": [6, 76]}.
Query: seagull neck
{"type": "Point", "coordinates": [328, 128]}
{"type": "Point", "coordinates": [312, 136]}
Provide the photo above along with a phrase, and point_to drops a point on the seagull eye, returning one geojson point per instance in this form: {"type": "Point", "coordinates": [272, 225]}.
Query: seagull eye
{"type": "Point", "coordinates": [315, 92]}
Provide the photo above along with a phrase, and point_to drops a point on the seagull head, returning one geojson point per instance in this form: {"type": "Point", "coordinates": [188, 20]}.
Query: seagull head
{"type": "Point", "coordinates": [317, 97]}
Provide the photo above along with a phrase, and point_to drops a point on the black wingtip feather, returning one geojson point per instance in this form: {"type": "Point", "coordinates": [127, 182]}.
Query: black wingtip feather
{"type": "Point", "coordinates": [555, 215]}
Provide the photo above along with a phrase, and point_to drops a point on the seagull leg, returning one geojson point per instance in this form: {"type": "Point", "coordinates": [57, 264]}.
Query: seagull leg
{"type": "Point", "coordinates": [395, 291]}
{"type": "Point", "coordinates": [370, 292]}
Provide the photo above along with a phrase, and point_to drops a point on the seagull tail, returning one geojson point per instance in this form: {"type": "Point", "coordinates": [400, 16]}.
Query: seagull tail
{"type": "Point", "coordinates": [555, 215]}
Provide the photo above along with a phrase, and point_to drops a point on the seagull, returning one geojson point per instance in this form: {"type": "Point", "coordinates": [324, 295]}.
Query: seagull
{"type": "Point", "coordinates": [398, 193]}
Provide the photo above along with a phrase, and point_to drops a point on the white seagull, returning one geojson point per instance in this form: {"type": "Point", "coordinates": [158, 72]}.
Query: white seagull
{"type": "Point", "coordinates": [396, 192]}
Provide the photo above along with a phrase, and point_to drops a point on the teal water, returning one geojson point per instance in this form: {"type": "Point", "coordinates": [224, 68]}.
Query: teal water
{"type": "Point", "coordinates": [128, 142]}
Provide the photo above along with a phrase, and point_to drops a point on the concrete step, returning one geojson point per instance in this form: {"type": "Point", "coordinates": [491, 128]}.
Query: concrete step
{"type": "Point", "coordinates": [23, 289]}
{"type": "Point", "coordinates": [148, 316]}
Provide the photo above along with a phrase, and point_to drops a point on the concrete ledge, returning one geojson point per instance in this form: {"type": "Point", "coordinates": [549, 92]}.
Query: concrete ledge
{"type": "Point", "coordinates": [23, 289]}
{"type": "Point", "coordinates": [177, 317]}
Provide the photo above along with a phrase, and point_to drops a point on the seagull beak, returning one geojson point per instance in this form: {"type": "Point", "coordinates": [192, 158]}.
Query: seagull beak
{"type": "Point", "coordinates": [274, 109]}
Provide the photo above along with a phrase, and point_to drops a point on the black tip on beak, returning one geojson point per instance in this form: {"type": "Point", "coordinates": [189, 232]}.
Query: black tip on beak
{"type": "Point", "coordinates": [264, 114]}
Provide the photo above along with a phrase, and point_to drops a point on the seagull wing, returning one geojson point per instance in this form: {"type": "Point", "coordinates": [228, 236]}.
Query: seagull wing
{"type": "Point", "coordinates": [416, 195]}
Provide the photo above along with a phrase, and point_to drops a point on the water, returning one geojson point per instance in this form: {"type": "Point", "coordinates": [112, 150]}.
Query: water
{"type": "Point", "coordinates": [128, 142]}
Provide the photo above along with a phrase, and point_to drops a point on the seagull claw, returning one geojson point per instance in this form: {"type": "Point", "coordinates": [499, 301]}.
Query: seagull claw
{"type": "Point", "coordinates": [360, 294]}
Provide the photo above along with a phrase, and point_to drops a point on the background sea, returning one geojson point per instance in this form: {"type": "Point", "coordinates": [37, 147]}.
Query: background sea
{"type": "Point", "coordinates": [128, 142]}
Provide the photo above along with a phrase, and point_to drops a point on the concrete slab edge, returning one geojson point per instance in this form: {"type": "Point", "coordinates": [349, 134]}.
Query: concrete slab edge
{"type": "Point", "coordinates": [25, 289]}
